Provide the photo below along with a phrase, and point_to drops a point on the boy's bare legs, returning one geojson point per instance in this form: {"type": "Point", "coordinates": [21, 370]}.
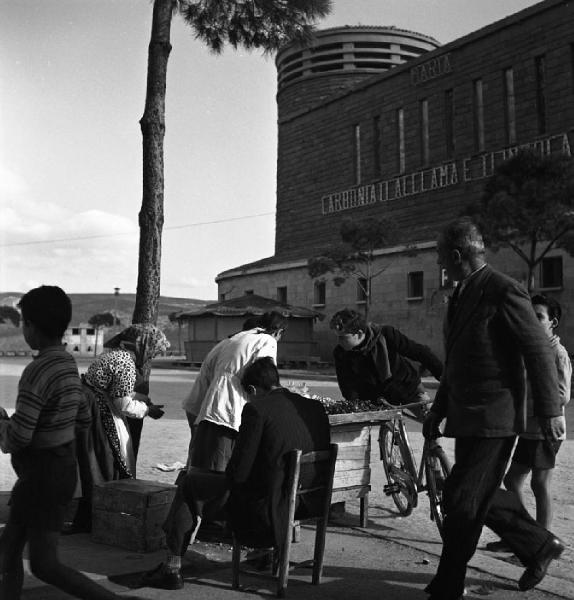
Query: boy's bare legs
{"type": "Point", "coordinates": [540, 484]}
{"type": "Point", "coordinates": [12, 544]}
{"type": "Point", "coordinates": [45, 564]}
{"type": "Point", "coordinates": [515, 479]}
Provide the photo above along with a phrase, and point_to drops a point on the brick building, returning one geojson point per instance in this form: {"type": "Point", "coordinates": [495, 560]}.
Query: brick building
{"type": "Point", "coordinates": [415, 142]}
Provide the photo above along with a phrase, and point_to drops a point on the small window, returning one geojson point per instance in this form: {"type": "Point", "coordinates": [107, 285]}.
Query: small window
{"type": "Point", "coordinates": [510, 108]}
{"type": "Point", "coordinates": [90, 331]}
{"type": "Point", "coordinates": [282, 294]}
{"type": "Point", "coordinates": [222, 297]}
{"type": "Point", "coordinates": [478, 108]}
{"type": "Point", "coordinates": [377, 145]}
{"type": "Point", "coordinates": [401, 157]}
{"type": "Point", "coordinates": [249, 292]}
{"type": "Point", "coordinates": [415, 284]}
{"type": "Point", "coordinates": [75, 331]}
{"type": "Point", "coordinates": [319, 293]}
{"type": "Point", "coordinates": [357, 153]}
{"type": "Point", "coordinates": [449, 122]}
{"type": "Point", "coordinates": [362, 290]}
{"type": "Point", "coordinates": [551, 272]}
{"type": "Point", "coordinates": [540, 66]}
{"type": "Point", "coordinates": [425, 148]}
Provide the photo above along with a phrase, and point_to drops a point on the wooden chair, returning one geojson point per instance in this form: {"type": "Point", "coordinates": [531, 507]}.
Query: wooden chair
{"type": "Point", "coordinates": [299, 483]}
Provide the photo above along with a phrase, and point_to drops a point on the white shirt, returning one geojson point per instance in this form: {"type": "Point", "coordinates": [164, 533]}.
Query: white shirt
{"type": "Point", "coordinates": [217, 395]}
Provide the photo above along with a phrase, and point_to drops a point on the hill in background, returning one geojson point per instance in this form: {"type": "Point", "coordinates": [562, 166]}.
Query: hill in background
{"type": "Point", "coordinates": [85, 306]}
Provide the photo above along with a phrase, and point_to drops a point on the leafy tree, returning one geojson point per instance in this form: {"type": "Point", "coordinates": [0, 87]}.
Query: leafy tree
{"type": "Point", "coordinates": [528, 206]}
{"type": "Point", "coordinates": [354, 256]}
{"type": "Point", "coordinates": [265, 24]}
{"type": "Point", "coordinates": [101, 320]}
{"type": "Point", "coordinates": [9, 313]}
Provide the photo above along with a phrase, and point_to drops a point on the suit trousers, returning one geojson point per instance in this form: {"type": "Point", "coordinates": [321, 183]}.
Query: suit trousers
{"type": "Point", "coordinates": [480, 464]}
{"type": "Point", "coordinates": [199, 494]}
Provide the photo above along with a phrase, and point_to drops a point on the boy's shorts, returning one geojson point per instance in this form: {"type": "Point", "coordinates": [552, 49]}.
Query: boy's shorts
{"type": "Point", "coordinates": [45, 487]}
{"type": "Point", "coordinates": [536, 454]}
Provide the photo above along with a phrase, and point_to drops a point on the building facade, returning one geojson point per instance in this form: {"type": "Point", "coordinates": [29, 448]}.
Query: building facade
{"type": "Point", "coordinates": [415, 143]}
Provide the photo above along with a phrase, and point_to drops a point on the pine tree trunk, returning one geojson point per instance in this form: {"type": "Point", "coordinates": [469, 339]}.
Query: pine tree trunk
{"type": "Point", "coordinates": [153, 131]}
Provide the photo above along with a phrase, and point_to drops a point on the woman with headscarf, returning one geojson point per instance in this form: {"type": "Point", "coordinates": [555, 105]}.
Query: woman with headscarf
{"type": "Point", "coordinates": [111, 382]}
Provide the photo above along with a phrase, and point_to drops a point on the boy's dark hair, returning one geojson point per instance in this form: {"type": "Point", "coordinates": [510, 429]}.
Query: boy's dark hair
{"type": "Point", "coordinates": [48, 308]}
{"type": "Point", "coordinates": [272, 322]}
{"type": "Point", "coordinates": [261, 373]}
{"type": "Point", "coordinates": [552, 306]}
{"type": "Point", "coordinates": [348, 321]}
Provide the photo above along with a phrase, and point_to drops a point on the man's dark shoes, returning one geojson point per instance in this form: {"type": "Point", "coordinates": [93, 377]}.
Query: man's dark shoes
{"type": "Point", "coordinates": [535, 573]}
{"type": "Point", "coordinates": [162, 578]}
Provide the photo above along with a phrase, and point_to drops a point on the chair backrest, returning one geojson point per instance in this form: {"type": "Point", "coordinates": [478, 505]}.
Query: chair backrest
{"type": "Point", "coordinates": [310, 481]}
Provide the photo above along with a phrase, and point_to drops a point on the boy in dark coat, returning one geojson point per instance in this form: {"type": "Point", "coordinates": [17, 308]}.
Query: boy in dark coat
{"type": "Point", "coordinates": [371, 361]}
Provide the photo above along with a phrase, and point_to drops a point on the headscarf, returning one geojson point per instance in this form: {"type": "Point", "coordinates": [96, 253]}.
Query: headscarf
{"type": "Point", "coordinates": [144, 339]}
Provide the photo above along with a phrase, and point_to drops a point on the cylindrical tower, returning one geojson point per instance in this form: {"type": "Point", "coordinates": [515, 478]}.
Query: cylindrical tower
{"type": "Point", "coordinates": [339, 58]}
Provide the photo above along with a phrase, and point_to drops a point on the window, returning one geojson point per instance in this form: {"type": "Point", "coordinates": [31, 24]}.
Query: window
{"type": "Point", "coordinates": [362, 290]}
{"type": "Point", "coordinates": [282, 294]}
{"type": "Point", "coordinates": [478, 108]}
{"type": "Point", "coordinates": [401, 139]}
{"type": "Point", "coordinates": [540, 65]}
{"type": "Point", "coordinates": [424, 108]}
{"type": "Point", "coordinates": [415, 283]}
{"type": "Point", "coordinates": [90, 331]}
{"type": "Point", "coordinates": [319, 295]}
{"type": "Point", "coordinates": [249, 292]}
{"type": "Point", "coordinates": [551, 272]}
{"type": "Point", "coordinates": [449, 122]}
{"type": "Point", "coordinates": [75, 331]}
{"type": "Point", "coordinates": [222, 297]}
{"type": "Point", "coordinates": [377, 146]}
{"type": "Point", "coordinates": [357, 153]}
{"type": "Point", "coordinates": [509, 106]}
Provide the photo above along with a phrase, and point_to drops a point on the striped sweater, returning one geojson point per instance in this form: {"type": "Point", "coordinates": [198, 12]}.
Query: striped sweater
{"type": "Point", "coordinates": [50, 404]}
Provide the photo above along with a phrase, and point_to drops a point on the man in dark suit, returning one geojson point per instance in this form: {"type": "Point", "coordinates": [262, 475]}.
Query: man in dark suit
{"type": "Point", "coordinates": [491, 333]}
{"type": "Point", "coordinates": [250, 492]}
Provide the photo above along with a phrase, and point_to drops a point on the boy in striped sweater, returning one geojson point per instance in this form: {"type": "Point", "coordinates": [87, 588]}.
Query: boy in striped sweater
{"type": "Point", "coordinates": [40, 436]}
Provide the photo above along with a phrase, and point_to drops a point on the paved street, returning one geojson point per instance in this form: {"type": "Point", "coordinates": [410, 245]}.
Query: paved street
{"type": "Point", "coordinates": [394, 557]}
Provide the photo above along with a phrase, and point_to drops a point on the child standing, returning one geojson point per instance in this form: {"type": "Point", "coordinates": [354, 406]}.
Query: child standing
{"type": "Point", "coordinates": [534, 453]}
{"type": "Point", "coordinates": [40, 436]}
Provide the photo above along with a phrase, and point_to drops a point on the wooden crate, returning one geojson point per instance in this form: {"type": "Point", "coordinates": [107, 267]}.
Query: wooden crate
{"type": "Point", "coordinates": [353, 467]}
{"type": "Point", "coordinates": [129, 513]}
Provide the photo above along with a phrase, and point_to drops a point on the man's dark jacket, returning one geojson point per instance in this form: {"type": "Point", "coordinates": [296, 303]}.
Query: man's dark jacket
{"type": "Point", "coordinates": [490, 337]}
{"type": "Point", "coordinates": [377, 366]}
{"type": "Point", "coordinates": [271, 426]}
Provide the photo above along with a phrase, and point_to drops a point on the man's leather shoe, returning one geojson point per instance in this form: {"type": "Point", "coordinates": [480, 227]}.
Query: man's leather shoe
{"type": "Point", "coordinates": [535, 573]}
{"type": "Point", "coordinates": [162, 578]}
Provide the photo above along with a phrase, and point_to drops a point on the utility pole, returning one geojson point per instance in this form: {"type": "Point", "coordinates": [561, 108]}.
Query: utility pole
{"type": "Point", "coordinates": [116, 294]}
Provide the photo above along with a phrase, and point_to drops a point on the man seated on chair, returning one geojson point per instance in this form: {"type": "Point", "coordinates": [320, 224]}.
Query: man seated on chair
{"type": "Point", "coordinates": [251, 491]}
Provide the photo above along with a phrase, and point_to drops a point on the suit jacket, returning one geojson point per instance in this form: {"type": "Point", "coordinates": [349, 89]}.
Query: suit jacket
{"type": "Point", "coordinates": [271, 426]}
{"type": "Point", "coordinates": [489, 338]}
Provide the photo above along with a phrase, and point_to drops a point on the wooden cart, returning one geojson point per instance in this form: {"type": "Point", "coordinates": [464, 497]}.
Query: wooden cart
{"type": "Point", "coordinates": [353, 468]}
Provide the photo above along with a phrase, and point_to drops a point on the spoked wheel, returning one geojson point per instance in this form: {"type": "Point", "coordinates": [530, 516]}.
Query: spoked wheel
{"type": "Point", "coordinates": [437, 468]}
{"type": "Point", "coordinates": [394, 454]}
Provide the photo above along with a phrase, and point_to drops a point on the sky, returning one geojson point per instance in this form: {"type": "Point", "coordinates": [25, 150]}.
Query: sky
{"type": "Point", "coordinates": [72, 91]}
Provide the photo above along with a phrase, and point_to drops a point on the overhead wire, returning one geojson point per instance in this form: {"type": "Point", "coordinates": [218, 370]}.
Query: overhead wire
{"type": "Point", "coordinates": [109, 235]}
